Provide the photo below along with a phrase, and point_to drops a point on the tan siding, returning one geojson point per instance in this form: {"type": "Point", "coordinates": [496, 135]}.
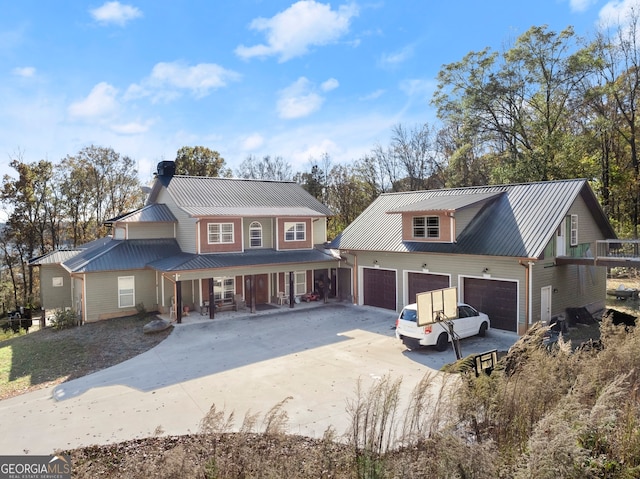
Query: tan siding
{"type": "Point", "coordinates": [464, 217]}
{"type": "Point", "coordinates": [206, 247]}
{"type": "Point", "coordinates": [267, 232]}
{"type": "Point", "coordinates": [151, 230]}
{"type": "Point", "coordinates": [187, 226]}
{"type": "Point", "coordinates": [457, 267]}
{"type": "Point", "coordinates": [445, 227]}
{"type": "Point", "coordinates": [54, 297]}
{"type": "Point", "coordinates": [102, 294]}
{"type": "Point", "coordinates": [319, 230]}
{"type": "Point", "coordinates": [284, 245]}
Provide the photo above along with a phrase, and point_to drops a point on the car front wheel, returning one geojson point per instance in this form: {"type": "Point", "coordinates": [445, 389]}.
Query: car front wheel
{"type": "Point", "coordinates": [442, 342]}
{"type": "Point", "coordinates": [483, 329]}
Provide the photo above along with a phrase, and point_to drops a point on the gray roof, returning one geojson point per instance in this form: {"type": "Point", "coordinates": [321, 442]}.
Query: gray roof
{"type": "Point", "coordinates": [212, 196]}
{"type": "Point", "coordinates": [63, 254]}
{"type": "Point", "coordinates": [518, 220]}
{"type": "Point", "coordinates": [257, 257]}
{"type": "Point", "coordinates": [446, 203]}
{"type": "Point", "coordinates": [118, 255]}
{"type": "Point", "coordinates": [165, 255]}
{"type": "Point", "coordinates": [156, 213]}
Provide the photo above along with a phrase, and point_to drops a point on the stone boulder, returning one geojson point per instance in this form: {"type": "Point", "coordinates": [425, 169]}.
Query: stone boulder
{"type": "Point", "coordinates": [156, 326]}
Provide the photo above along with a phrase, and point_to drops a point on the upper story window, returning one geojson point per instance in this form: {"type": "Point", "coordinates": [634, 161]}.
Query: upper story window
{"type": "Point", "coordinates": [220, 233]}
{"type": "Point", "coordinates": [295, 231]}
{"type": "Point", "coordinates": [255, 235]}
{"type": "Point", "coordinates": [574, 230]}
{"type": "Point", "coordinates": [426, 227]}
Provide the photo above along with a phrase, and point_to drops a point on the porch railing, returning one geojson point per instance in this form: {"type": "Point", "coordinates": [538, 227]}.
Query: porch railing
{"type": "Point", "coordinates": [623, 250]}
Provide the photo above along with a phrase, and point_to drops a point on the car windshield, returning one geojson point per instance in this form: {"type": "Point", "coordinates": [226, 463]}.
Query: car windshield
{"type": "Point", "coordinates": [409, 315]}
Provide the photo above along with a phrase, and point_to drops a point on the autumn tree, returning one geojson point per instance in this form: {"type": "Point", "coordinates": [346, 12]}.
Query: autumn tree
{"type": "Point", "coordinates": [268, 168]}
{"type": "Point", "coordinates": [200, 161]}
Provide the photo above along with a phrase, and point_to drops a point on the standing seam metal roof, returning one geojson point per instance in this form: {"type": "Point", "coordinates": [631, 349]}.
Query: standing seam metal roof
{"type": "Point", "coordinates": [200, 193]}
{"type": "Point", "coordinates": [518, 223]}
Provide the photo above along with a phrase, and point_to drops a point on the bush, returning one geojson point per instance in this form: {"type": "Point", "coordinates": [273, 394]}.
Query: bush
{"type": "Point", "coordinates": [64, 319]}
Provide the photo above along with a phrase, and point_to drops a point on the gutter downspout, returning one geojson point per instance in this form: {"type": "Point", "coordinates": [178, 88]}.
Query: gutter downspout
{"type": "Point", "coordinates": [528, 293]}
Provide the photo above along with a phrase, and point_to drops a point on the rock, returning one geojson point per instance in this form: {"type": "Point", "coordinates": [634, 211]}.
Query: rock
{"type": "Point", "coordinates": [156, 326]}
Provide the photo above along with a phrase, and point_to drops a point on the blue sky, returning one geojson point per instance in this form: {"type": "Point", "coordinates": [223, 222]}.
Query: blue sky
{"type": "Point", "coordinates": [248, 77]}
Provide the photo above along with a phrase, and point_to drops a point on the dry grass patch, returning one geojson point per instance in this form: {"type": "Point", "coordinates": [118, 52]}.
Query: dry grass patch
{"type": "Point", "coordinates": [48, 357]}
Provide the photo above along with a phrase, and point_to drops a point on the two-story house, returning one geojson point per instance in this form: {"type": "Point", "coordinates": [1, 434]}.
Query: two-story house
{"type": "Point", "coordinates": [520, 253]}
{"type": "Point", "coordinates": [198, 242]}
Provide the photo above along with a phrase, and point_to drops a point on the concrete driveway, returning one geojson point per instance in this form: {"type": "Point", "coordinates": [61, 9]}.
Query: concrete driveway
{"type": "Point", "coordinates": [248, 364]}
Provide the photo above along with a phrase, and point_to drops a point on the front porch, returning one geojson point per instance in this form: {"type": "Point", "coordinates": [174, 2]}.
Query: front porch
{"type": "Point", "coordinates": [195, 317]}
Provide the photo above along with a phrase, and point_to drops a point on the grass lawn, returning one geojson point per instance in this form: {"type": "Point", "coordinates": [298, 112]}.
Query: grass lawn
{"type": "Point", "coordinates": [43, 358]}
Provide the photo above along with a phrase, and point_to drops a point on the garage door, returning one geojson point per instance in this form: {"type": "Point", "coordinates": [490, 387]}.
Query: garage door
{"type": "Point", "coordinates": [421, 282]}
{"type": "Point", "coordinates": [499, 299]}
{"type": "Point", "coordinates": [379, 287]}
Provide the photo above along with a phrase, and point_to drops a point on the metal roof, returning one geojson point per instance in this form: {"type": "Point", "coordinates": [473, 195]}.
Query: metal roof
{"type": "Point", "coordinates": [63, 254]}
{"type": "Point", "coordinates": [446, 202]}
{"type": "Point", "coordinates": [122, 255]}
{"type": "Point", "coordinates": [519, 222]}
{"type": "Point", "coordinates": [250, 211]}
{"type": "Point", "coordinates": [155, 213]}
{"type": "Point", "coordinates": [258, 257]}
{"type": "Point", "coordinates": [210, 195]}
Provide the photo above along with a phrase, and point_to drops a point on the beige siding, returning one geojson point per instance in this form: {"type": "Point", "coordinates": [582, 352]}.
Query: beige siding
{"type": "Point", "coordinates": [267, 232]}
{"type": "Point", "coordinates": [464, 216]}
{"type": "Point", "coordinates": [456, 267]}
{"type": "Point", "coordinates": [151, 230]}
{"type": "Point", "coordinates": [54, 297]}
{"type": "Point", "coordinates": [186, 232]}
{"type": "Point", "coordinates": [102, 294]}
{"type": "Point", "coordinates": [319, 226]}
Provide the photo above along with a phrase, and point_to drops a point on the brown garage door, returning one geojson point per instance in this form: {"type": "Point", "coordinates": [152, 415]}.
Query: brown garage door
{"type": "Point", "coordinates": [499, 299]}
{"type": "Point", "coordinates": [421, 282]}
{"type": "Point", "coordinates": [379, 287]}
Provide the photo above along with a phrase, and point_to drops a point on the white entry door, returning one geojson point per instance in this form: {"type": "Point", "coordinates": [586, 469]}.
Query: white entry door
{"type": "Point", "coordinates": [545, 304]}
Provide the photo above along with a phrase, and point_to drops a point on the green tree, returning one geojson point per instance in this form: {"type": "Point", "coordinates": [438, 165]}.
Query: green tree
{"type": "Point", "coordinates": [200, 161]}
{"type": "Point", "coordinates": [25, 233]}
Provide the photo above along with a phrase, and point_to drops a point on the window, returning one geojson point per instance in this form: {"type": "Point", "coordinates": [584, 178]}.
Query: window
{"type": "Point", "coordinates": [426, 227]}
{"type": "Point", "coordinates": [220, 233]}
{"type": "Point", "coordinates": [223, 290]}
{"type": "Point", "coordinates": [126, 292]}
{"type": "Point", "coordinates": [574, 230]}
{"type": "Point", "coordinates": [255, 235]}
{"type": "Point", "coordinates": [57, 282]}
{"type": "Point", "coordinates": [295, 231]}
{"type": "Point", "coordinates": [299, 283]}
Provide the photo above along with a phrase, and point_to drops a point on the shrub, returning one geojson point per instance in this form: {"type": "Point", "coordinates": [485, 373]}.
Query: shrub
{"type": "Point", "coordinates": [64, 318]}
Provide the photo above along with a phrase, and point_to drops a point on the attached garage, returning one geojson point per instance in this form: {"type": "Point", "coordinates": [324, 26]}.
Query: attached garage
{"type": "Point", "coordinates": [498, 299]}
{"type": "Point", "coordinates": [379, 288]}
{"type": "Point", "coordinates": [421, 282]}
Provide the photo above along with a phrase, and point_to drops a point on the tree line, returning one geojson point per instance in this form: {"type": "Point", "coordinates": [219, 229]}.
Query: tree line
{"type": "Point", "coordinates": [549, 106]}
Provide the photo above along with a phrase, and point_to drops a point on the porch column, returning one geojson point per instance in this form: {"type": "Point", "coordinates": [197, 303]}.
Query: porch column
{"type": "Point", "coordinates": [291, 290]}
{"type": "Point", "coordinates": [179, 302]}
{"type": "Point", "coordinates": [212, 306]}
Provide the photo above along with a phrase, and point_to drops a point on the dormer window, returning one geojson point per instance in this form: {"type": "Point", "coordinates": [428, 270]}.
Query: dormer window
{"type": "Point", "coordinates": [426, 227]}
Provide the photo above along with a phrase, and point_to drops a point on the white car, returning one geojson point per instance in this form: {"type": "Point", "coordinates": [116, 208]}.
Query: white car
{"type": "Point", "coordinates": [469, 323]}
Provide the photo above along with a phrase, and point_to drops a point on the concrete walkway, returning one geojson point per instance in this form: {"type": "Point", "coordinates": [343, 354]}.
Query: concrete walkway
{"type": "Point", "coordinates": [314, 354]}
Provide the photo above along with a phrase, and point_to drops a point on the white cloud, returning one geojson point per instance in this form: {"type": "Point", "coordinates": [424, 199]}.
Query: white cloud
{"type": "Point", "coordinates": [101, 101]}
{"type": "Point", "coordinates": [304, 24]}
{"type": "Point", "coordinates": [581, 5]}
{"type": "Point", "coordinates": [167, 80]}
{"type": "Point", "coordinates": [617, 13]}
{"type": "Point", "coordinates": [252, 142]}
{"type": "Point", "coordinates": [398, 57]}
{"type": "Point", "coordinates": [131, 128]}
{"type": "Point", "coordinates": [330, 84]}
{"type": "Point", "coordinates": [373, 95]}
{"type": "Point", "coordinates": [26, 72]}
{"type": "Point", "coordinates": [115, 12]}
{"type": "Point", "coordinates": [298, 100]}
{"type": "Point", "coordinates": [417, 87]}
